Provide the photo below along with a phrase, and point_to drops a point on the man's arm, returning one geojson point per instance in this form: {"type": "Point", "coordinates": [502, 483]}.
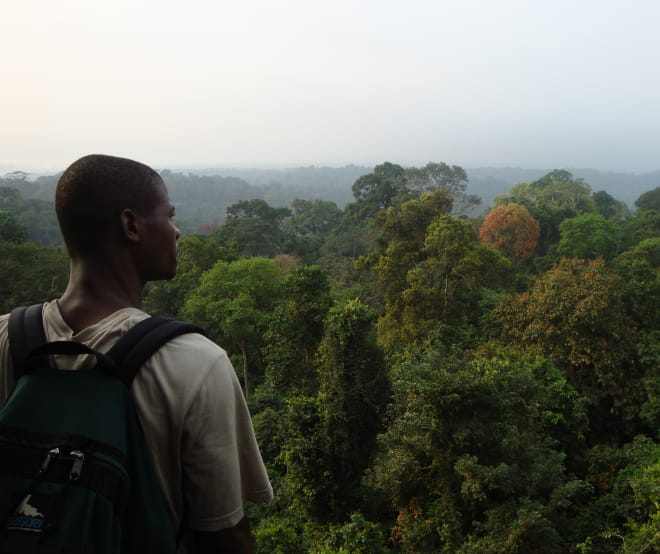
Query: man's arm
{"type": "Point", "coordinates": [234, 540]}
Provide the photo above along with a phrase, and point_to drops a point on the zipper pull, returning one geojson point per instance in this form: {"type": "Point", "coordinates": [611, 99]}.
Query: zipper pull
{"type": "Point", "coordinates": [49, 457]}
{"type": "Point", "coordinates": [78, 459]}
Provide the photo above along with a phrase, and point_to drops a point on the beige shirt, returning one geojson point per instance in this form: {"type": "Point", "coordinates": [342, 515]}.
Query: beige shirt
{"type": "Point", "coordinates": [194, 416]}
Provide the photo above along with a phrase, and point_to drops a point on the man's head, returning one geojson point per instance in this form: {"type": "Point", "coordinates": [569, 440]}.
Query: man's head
{"type": "Point", "coordinates": [105, 201]}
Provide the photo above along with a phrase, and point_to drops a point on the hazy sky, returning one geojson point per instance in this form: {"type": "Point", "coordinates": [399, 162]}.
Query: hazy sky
{"type": "Point", "coordinates": [529, 83]}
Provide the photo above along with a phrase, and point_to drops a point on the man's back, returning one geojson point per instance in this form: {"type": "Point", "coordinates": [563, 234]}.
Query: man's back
{"type": "Point", "coordinates": [195, 420]}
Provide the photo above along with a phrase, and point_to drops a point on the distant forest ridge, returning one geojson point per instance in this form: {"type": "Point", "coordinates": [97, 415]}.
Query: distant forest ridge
{"type": "Point", "coordinates": [486, 182]}
{"type": "Point", "coordinates": [202, 196]}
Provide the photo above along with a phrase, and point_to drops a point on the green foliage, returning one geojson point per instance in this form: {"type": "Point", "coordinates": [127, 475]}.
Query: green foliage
{"type": "Point", "coordinates": [608, 206]}
{"type": "Point", "coordinates": [233, 302]}
{"type": "Point", "coordinates": [550, 200]}
{"type": "Point", "coordinates": [10, 229]}
{"type": "Point", "coordinates": [308, 227]}
{"type": "Point", "coordinates": [276, 535]}
{"type": "Point", "coordinates": [37, 216]}
{"type": "Point", "coordinates": [295, 330]}
{"type": "Point", "coordinates": [644, 225]}
{"type": "Point", "coordinates": [303, 455]}
{"type": "Point", "coordinates": [30, 273]}
{"type": "Point", "coordinates": [431, 272]}
{"type": "Point", "coordinates": [588, 236]}
{"type": "Point", "coordinates": [353, 393]}
{"type": "Point", "coordinates": [640, 268]}
{"type": "Point", "coordinates": [576, 315]}
{"type": "Point", "coordinates": [650, 200]}
{"type": "Point", "coordinates": [377, 191]}
{"type": "Point", "coordinates": [254, 228]}
{"type": "Point", "coordinates": [442, 177]}
{"type": "Point", "coordinates": [357, 536]}
{"type": "Point", "coordinates": [625, 517]}
{"type": "Point", "coordinates": [197, 254]}
{"type": "Point", "coordinates": [467, 462]}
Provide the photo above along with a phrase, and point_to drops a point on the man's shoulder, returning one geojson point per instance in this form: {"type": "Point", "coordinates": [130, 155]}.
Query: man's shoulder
{"type": "Point", "coordinates": [183, 367]}
{"type": "Point", "coordinates": [193, 349]}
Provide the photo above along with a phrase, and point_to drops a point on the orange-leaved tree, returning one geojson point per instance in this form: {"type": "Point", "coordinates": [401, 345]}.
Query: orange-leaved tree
{"type": "Point", "coordinates": [511, 229]}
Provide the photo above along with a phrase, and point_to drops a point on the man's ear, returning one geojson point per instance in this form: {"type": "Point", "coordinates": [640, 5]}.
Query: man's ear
{"type": "Point", "coordinates": [130, 225]}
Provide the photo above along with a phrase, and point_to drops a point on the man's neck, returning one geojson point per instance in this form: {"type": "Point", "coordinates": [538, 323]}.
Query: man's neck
{"type": "Point", "coordinates": [94, 293]}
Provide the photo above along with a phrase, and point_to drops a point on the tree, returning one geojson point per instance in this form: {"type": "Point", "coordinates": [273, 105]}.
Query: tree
{"type": "Point", "coordinates": [17, 176]}
{"type": "Point", "coordinates": [625, 517]}
{"type": "Point", "coordinates": [610, 207]}
{"type": "Point", "coordinates": [310, 224]}
{"type": "Point", "coordinates": [37, 216]}
{"type": "Point", "coordinates": [431, 271]}
{"type": "Point", "coordinates": [440, 176]}
{"type": "Point", "coordinates": [10, 229]}
{"type": "Point", "coordinates": [467, 462]}
{"type": "Point", "coordinates": [645, 224]}
{"type": "Point", "coordinates": [650, 200]}
{"type": "Point", "coordinates": [30, 273]}
{"type": "Point", "coordinates": [576, 315]}
{"type": "Point", "coordinates": [197, 254]}
{"type": "Point", "coordinates": [551, 199]}
{"type": "Point", "coordinates": [254, 228]}
{"type": "Point", "coordinates": [353, 392]}
{"type": "Point", "coordinates": [511, 229]}
{"type": "Point", "coordinates": [295, 330]}
{"type": "Point", "coordinates": [588, 236]}
{"type": "Point", "coordinates": [640, 268]}
{"type": "Point", "coordinates": [377, 191]}
{"type": "Point", "coordinates": [233, 302]}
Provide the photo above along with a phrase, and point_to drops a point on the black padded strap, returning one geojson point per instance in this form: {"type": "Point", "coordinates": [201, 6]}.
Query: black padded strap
{"type": "Point", "coordinates": [143, 340]}
{"type": "Point", "coordinates": [26, 332]}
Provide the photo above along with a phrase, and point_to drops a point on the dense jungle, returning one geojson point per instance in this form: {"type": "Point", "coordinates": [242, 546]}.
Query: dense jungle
{"type": "Point", "coordinates": [426, 373]}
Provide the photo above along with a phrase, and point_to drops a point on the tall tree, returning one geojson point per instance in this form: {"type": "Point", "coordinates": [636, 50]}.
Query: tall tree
{"type": "Point", "coordinates": [30, 273]}
{"type": "Point", "coordinates": [308, 227]}
{"type": "Point", "coordinates": [377, 191]}
{"type": "Point", "coordinates": [197, 254]}
{"type": "Point", "coordinates": [354, 390]}
{"type": "Point", "coordinates": [650, 200]}
{"type": "Point", "coordinates": [10, 229]}
{"type": "Point", "coordinates": [295, 330]}
{"type": "Point", "coordinates": [466, 461]}
{"type": "Point", "coordinates": [588, 236]}
{"type": "Point", "coordinates": [233, 302]}
{"type": "Point", "coordinates": [254, 228]}
{"type": "Point", "coordinates": [511, 229]}
{"type": "Point", "coordinates": [551, 199]}
{"type": "Point", "coordinates": [431, 271]}
{"type": "Point", "coordinates": [608, 206]}
{"type": "Point", "coordinates": [440, 176]}
{"type": "Point", "coordinates": [576, 315]}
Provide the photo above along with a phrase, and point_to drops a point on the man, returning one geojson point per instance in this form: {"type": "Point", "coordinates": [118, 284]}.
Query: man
{"type": "Point", "coordinates": [116, 219]}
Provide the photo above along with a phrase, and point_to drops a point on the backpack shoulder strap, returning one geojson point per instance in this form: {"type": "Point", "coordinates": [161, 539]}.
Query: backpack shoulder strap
{"type": "Point", "coordinates": [26, 332]}
{"type": "Point", "coordinates": [143, 340]}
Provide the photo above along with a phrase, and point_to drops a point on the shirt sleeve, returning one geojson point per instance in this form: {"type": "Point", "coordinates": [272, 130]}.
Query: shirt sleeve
{"type": "Point", "coordinates": [222, 466]}
{"type": "Point", "coordinates": [6, 375]}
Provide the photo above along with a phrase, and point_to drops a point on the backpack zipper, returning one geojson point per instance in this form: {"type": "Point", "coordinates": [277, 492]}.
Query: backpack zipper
{"type": "Point", "coordinates": [78, 459]}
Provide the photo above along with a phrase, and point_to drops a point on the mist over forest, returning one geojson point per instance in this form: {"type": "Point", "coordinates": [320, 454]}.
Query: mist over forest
{"type": "Point", "coordinates": [202, 195]}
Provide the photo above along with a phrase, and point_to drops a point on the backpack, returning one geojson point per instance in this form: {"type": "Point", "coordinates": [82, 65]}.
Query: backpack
{"type": "Point", "coordinates": [75, 473]}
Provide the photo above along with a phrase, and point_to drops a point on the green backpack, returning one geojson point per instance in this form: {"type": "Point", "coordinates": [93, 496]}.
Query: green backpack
{"type": "Point", "coordinates": [75, 473]}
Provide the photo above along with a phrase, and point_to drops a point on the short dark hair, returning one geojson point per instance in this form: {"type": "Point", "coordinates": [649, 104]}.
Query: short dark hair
{"type": "Point", "coordinates": [93, 191]}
